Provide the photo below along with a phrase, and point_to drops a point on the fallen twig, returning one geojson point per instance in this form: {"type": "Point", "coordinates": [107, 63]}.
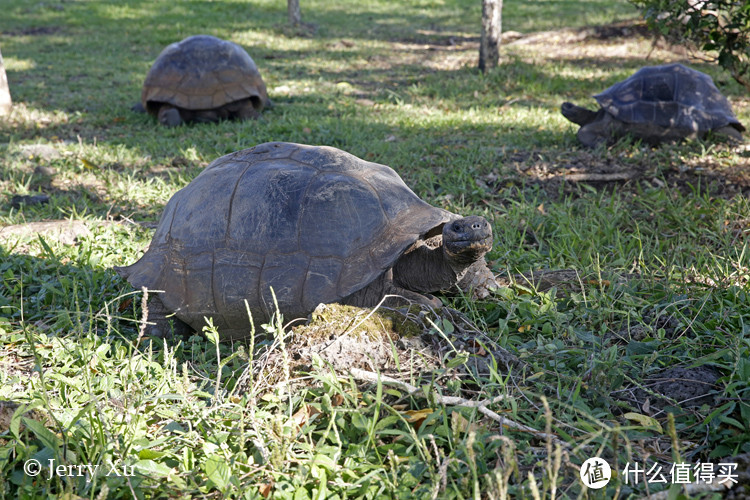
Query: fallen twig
{"type": "Point", "coordinates": [481, 406]}
{"type": "Point", "coordinates": [592, 177]}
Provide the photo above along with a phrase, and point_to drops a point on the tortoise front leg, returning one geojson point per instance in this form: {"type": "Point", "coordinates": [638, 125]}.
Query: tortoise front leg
{"type": "Point", "coordinates": [600, 131]}
{"type": "Point", "coordinates": [730, 132]}
{"type": "Point", "coordinates": [169, 116]}
{"type": "Point", "coordinates": [245, 111]}
{"type": "Point", "coordinates": [372, 294]}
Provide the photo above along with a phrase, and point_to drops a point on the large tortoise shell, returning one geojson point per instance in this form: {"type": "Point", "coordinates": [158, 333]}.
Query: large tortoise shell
{"type": "Point", "coordinates": [203, 72]}
{"type": "Point", "coordinates": [671, 96]}
{"type": "Point", "coordinates": [316, 224]}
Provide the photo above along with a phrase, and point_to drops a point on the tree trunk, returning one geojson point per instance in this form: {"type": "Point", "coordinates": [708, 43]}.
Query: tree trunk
{"type": "Point", "coordinates": [492, 29]}
{"type": "Point", "coordinates": [295, 16]}
{"type": "Point", "coordinates": [5, 102]}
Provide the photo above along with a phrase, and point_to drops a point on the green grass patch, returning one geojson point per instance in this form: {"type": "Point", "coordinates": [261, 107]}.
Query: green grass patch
{"type": "Point", "coordinates": [662, 259]}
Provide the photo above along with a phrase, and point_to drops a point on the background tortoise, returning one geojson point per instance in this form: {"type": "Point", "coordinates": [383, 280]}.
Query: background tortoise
{"type": "Point", "coordinates": [317, 224]}
{"type": "Point", "coordinates": [656, 104]}
{"type": "Point", "coordinates": [203, 79]}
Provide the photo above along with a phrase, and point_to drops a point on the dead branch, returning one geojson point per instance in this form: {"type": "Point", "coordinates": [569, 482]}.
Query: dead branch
{"type": "Point", "coordinates": [609, 177]}
{"type": "Point", "coordinates": [481, 406]}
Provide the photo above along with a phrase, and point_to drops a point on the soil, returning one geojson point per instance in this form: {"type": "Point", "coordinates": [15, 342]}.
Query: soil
{"type": "Point", "coordinates": [662, 167]}
{"type": "Point", "coordinates": [34, 31]}
{"type": "Point", "coordinates": [741, 490]}
{"type": "Point", "coordinates": [679, 386]}
{"type": "Point", "coordinates": [66, 231]}
{"type": "Point", "coordinates": [8, 408]}
{"type": "Point", "coordinates": [401, 343]}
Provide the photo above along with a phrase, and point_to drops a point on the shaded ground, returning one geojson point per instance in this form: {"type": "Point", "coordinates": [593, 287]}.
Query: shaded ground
{"type": "Point", "coordinates": [719, 170]}
{"type": "Point", "coordinates": [724, 171]}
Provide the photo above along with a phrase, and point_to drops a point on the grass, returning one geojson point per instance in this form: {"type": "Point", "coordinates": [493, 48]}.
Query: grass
{"type": "Point", "coordinates": [663, 259]}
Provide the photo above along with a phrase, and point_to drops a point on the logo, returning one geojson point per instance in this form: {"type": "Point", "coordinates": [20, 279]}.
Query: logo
{"type": "Point", "coordinates": [595, 473]}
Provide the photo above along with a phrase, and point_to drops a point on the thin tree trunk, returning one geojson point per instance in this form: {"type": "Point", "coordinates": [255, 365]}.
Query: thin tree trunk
{"type": "Point", "coordinates": [5, 102]}
{"type": "Point", "coordinates": [295, 16]}
{"type": "Point", "coordinates": [492, 29]}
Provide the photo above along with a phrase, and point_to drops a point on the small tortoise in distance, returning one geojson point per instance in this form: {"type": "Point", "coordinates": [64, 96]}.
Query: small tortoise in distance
{"type": "Point", "coordinates": [316, 225]}
{"type": "Point", "coordinates": [203, 79]}
{"type": "Point", "coordinates": [656, 104]}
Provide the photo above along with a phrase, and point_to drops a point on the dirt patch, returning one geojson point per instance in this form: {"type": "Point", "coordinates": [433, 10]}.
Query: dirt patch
{"type": "Point", "coordinates": [724, 173]}
{"type": "Point", "coordinates": [16, 366]}
{"type": "Point", "coordinates": [65, 231]}
{"type": "Point", "coordinates": [8, 408]}
{"type": "Point", "coordinates": [616, 43]}
{"type": "Point", "coordinates": [614, 32]}
{"type": "Point", "coordinates": [674, 387]}
{"type": "Point", "coordinates": [401, 343]}
{"type": "Point", "coordinates": [34, 31]}
{"type": "Point", "coordinates": [741, 490]}
{"type": "Point", "coordinates": [623, 29]}
{"type": "Point", "coordinates": [23, 238]}
{"type": "Point", "coordinates": [44, 152]}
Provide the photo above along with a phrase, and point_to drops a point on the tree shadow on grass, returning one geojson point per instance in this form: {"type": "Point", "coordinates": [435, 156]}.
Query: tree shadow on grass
{"type": "Point", "coordinates": [577, 172]}
{"type": "Point", "coordinates": [111, 48]}
{"type": "Point", "coordinates": [92, 58]}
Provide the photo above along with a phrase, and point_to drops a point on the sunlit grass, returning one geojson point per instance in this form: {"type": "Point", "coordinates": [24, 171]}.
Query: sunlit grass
{"type": "Point", "coordinates": [662, 260]}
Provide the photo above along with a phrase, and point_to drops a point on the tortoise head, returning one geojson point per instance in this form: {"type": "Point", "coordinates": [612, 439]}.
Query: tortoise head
{"type": "Point", "coordinates": [577, 114]}
{"type": "Point", "coordinates": [466, 240]}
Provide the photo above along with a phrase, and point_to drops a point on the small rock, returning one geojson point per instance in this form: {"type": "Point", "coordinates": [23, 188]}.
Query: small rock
{"type": "Point", "coordinates": [509, 36]}
{"type": "Point", "coordinates": [24, 199]}
{"type": "Point", "coordinates": [42, 151]}
{"type": "Point", "coordinates": [181, 161]}
{"type": "Point", "coordinates": [45, 171]}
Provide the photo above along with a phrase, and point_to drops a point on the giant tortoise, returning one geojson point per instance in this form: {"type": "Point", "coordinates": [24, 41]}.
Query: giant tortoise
{"type": "Point", "coordinates": [203, 79]}
{"type": "Point", "coordinates": [302, 225]}
{"type": "Point", "coordinates": [656, 104]}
